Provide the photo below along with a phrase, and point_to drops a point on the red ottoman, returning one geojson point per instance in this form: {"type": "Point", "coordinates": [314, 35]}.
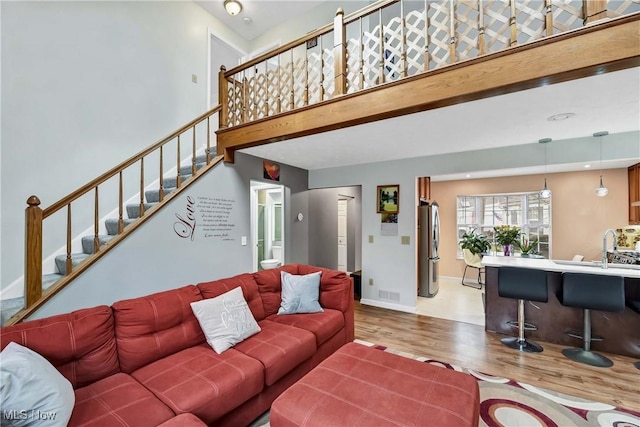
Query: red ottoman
{"type": "Point", "coordinates": [363, 386]}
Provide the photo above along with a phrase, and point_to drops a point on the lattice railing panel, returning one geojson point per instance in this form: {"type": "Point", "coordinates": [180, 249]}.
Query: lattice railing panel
{"type": "Point", "coordinates": [530, 20]}
{"type": "Point", "coordinates": [285, 86]}
{"type": "Point", "coordinates": [328, 71]}
{"type": "Point", "coordinates": [393, 65]}
{"type": "Point", "coordinates": [496, 25]}
{"type": "Point", "coordinates": [371, 57]}
{"type": "Point", "coordinates": [252, 98]}
{"type": "Point", "coordinates": [299, 82]}
{"type": "Point", "coordinates": [567, 15]}
{"type": "Point", "coordinates": [622, 7]}
{"type": "Point", "coordinates": [353, 65]}
{"type": "Point", "coordinates": [439, 34]}
{"type": "Point", "coordinates": [416, 35]}
{"type": "Point", "coordinates": [273, 91]}
{"type": "Point", "coordinates": [315, 77]}
{"type": "Point", "coordinates": [235, 103]}
{"type": "Point", "coordinates": [260, 95]}
{"type": "Point", "coordinates": [467, 29]}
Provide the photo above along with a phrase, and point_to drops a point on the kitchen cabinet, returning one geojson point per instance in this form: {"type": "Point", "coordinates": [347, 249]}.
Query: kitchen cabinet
{"type": "Point", "coordinates": [634, 194]}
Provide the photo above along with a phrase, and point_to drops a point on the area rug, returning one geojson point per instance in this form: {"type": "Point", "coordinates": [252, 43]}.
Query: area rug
{"type": "Point", "coordinates": [508, 403]}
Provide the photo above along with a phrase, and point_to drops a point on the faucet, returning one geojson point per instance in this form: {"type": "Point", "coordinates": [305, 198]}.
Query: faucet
{"type": "Point", "coordinates": [604, 245]}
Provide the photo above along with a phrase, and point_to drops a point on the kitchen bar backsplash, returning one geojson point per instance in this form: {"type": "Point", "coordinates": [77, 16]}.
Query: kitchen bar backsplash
{"type": "Point", "coordinates": [628, 236]}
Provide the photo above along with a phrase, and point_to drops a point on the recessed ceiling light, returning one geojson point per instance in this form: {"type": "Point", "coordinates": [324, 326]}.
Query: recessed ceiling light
{"type": "Point", "coordinates": [560, 117]}
{"type": "Point", "coordinates": [467, 176]}
{"type": "Point", "coordinates": [247, 20]}
{"type": "Point", "coordinates": [587, 166]}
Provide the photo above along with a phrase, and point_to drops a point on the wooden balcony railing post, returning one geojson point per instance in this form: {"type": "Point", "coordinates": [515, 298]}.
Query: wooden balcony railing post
{"type": "Point", "coordinates": [223, 99]}
{"type": "Point", "coordinates": [513, 24]}
{"type": "Point", "coordinates": [33, 252]}
{"type": "Point", "coordinates": [594, 10]}
{"type": "Point", "coordinates": [549, 17]}
{"type": "Point", "coordinates": [339, 53]}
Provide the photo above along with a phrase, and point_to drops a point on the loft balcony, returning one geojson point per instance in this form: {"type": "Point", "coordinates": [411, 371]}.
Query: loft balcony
{"type": "Point", "coordinates": [400, 57]}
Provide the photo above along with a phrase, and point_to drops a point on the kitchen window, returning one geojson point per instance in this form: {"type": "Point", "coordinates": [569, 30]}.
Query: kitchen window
{"type": "Point", "coordinates": [528, 211]}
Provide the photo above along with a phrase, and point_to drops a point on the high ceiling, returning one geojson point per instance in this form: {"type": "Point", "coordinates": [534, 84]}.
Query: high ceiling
{"type": "Point", "coordinates": [608, 102]}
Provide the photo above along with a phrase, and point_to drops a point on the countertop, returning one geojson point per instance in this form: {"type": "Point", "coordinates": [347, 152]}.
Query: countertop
{"type": "Point", "coordinates": [561, 266]}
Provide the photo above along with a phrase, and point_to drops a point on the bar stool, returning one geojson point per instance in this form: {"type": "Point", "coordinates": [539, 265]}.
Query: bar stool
{"type": "Point", "coordinates": [591, 292]}
{"type": "Point", "coordinates": [523, 284]}
{"type": "Point", "coordinates": [635, 306]}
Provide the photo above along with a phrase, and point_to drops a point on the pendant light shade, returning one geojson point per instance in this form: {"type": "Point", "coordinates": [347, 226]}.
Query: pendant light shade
{"type": "Point", "coordinates": [601, 191]}
{"type": "Point", "coordinates": [233, 7]}
{"type": "Point", "coordinates": [545, 193]}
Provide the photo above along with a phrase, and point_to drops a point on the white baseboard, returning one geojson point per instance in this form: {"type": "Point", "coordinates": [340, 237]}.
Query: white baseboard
{"type": "Point", "coordinates": [390, 306]}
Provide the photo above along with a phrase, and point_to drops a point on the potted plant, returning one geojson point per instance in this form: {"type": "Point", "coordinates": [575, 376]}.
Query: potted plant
{"type": "Point", "coordinates": [475, 243]}
{"type": "Point", "coordinates": [507, 235]}
{"type": "Point", "coordinates": [526, 246]}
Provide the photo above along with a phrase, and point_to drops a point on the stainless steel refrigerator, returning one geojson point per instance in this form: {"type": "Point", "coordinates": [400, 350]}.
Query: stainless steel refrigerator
{"type": "Point", "coordinates": [428, 240]}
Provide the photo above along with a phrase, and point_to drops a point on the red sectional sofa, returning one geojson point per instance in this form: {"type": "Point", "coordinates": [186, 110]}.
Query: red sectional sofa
{"type": "Point", "coordinates": [145, 361]}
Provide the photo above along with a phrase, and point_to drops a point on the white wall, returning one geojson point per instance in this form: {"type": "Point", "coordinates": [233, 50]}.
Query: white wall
{"type": "Point", "coordinates": [391, 265]}
{"type": "Point", "coordinates": [84, 86]}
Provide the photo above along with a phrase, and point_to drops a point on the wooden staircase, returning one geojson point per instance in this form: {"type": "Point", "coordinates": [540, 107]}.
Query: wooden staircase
{"type": "Point", "coordinates": [170, 181]}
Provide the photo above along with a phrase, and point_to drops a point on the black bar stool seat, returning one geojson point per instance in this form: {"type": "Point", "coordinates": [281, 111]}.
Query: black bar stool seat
{"type": "Point", "coordinates": [635, 306]}
{"type": "Point", "coordinates": [591, 292]}
{"type": "Point", "coordinates": [523, 284]}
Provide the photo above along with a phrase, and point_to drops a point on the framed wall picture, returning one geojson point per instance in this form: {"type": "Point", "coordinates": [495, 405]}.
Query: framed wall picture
{"type": "Point", "coordinates": [388, 200]}
{"type": "Point", "coordinates": [270, 170]}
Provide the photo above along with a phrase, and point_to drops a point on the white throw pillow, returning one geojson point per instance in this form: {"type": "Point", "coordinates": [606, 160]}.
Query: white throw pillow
{"type": "Point", "coordinates": [225, 320]}
{"type": "Point", "coordinates": [300, 293]}
{"type": "Point", "coordinates": [34, 393]}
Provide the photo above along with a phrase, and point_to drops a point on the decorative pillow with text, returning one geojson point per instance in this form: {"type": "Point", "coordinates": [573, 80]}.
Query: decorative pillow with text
{"type": "Point", "coordinates": [225, 320]}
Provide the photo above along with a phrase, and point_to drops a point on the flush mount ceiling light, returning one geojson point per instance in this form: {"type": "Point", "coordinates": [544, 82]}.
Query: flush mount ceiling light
{"type": "Point", "coordinates": [601, 191]}
{"type": "Point", "coordinates": [233, 7]}
{"type": "Point", "coordinates": [545, 193]}
{"type": "Point", "coordinates": [560, 117]}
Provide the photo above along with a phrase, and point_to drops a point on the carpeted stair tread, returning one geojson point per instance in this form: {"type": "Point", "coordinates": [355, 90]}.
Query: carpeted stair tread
{"type": "Point", "coordinates": [61, 261]}
{"type": "Point", "coordinates": [87, 242]}
{"type": "Point", "coordinates": [50, 279]}
{"type": "Point", "coordinates": [112, 225]}
{"type": "Point", "coordinates": [171, 181]}
{"type": "Point", "coordinates": [133, 210]}
{"type": "Point", "coordinates": [10, 307]}
{"type": "Point", "coordinates": [186, 170]}
{"type": "Point", "coordinates": [153, 196]}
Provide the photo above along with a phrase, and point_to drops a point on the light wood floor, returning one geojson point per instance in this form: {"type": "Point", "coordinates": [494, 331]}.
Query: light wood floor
{"type": "Point", "coordinates": [470, 346]}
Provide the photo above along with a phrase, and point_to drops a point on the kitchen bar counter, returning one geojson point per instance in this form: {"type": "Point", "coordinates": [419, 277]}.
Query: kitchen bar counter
{"type": "Point", "coordinates": [588, 267]}
{"type": "Point", "coordinates": [621, 331]}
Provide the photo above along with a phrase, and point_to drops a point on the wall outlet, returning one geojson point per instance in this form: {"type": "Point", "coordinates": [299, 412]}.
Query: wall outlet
{"type": "Point", "coordinates": [370, 281]}
{"type": "Point", "coordinates": [243, 240]}
{"type": "Point", "coordinates": [370, 239]}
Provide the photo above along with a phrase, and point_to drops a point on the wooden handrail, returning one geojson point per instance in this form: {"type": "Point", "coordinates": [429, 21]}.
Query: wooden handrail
{"type": "Point", "coordinates": [34, 215]}
{"type": "Point", "coordinates": [130, 161]}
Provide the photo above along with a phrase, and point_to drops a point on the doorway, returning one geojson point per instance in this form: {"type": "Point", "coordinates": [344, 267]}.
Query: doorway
{"type": "Point", "coordinates": [219, 53]}
{"type": "Point", "coordinates": [267, 223]}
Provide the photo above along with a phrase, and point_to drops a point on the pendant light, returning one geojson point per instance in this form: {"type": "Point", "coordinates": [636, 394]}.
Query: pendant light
{"type": "Point", "coordinates": [545, 193]}
{"type": "Point", "coordinates": [601, 191]}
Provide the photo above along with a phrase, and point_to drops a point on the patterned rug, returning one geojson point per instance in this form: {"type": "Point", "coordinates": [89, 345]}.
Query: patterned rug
{"type": "Point", "coordinates": [508, 403]}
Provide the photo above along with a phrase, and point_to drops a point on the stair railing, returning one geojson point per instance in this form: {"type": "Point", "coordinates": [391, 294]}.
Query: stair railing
{"type": "Point", "coordinates": [35, 216]}
{"type": "Point", "coordinates": [390, 40]}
